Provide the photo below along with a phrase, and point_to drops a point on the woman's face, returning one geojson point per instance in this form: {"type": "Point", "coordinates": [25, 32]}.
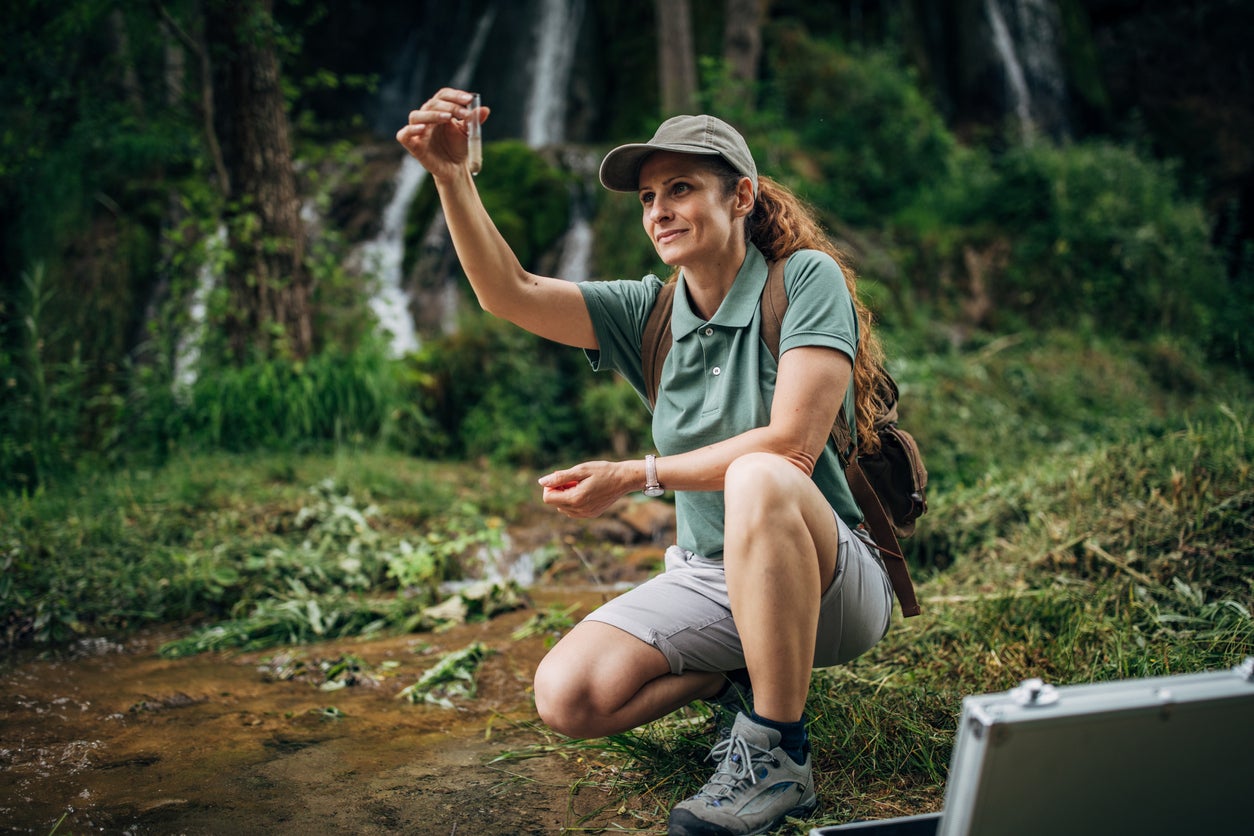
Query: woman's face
{"type": "Point", "coordinates": [688, 217]}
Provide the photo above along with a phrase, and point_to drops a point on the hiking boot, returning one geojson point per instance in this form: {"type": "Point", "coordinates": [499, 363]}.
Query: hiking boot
{"type": "Point", "coordinates": [755, 787]}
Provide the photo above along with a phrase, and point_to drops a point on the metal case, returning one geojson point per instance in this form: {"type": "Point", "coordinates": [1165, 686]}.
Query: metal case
{"type": "Point", "coordinates": [1162, 755]}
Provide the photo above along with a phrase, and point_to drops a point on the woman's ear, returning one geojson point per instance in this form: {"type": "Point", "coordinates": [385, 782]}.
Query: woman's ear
{"type": "Point", "coordinates": [744, 197]}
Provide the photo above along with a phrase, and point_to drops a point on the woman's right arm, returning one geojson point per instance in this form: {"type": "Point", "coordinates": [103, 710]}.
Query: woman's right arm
{"type": "Point", "coordinates": [548, 307]}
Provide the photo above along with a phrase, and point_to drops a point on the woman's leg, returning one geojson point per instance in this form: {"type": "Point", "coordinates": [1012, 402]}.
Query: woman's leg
{"type": "Point", "coordinates": [600, 680]}
{"type": "Point", "coordinates": [779, 554]}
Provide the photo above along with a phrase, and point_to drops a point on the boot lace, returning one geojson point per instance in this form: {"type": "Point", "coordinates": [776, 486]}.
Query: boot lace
{"type": "Point", "coordinates": [737, 758]}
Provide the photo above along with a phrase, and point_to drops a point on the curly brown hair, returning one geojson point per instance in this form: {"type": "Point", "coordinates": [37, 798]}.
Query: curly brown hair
{"type": "Point", "coordinates": [781, 224]}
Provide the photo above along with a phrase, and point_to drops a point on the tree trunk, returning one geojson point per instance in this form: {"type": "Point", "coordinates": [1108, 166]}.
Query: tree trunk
{"type": "Point", "coordinates": [126, 60]}
{"type": "Point", "coordinates": [269, 309]}
{"type": "Point", "coordinates": [677, 57]}
{"type": "Point", "coordinates": [742, 51]}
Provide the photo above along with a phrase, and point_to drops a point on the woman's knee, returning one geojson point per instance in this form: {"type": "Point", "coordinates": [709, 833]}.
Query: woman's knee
{"type": "Point", "coordinates": [589, 676]}
{"type": "Point", "coordinates": [759, 475]}
{"type": "Point", "coordinates": [562, 698]}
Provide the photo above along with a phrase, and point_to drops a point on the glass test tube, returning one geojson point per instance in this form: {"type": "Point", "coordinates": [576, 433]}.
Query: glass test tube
{"type": "Point", "coordinates": [474, 139]}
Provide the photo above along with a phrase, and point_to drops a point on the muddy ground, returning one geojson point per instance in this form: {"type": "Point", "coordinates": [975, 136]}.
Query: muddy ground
{"type": "Point", "coordinates": [120, 740]}
{"type": "Point", "coordinates": [110, 737]}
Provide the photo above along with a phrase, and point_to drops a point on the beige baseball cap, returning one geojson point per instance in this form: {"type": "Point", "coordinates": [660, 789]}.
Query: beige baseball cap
{"type": "Point", "coordinates": [704, 135]}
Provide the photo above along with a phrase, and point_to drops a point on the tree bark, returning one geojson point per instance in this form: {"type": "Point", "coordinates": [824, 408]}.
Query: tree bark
{"type": "Point", "coordinates": [269, 310]}
{"type": "Point", "coordinates": [742, 50]}
{"type": "Point", "coordinates": [677, 57]}
{"type": "Point", "coordinates": [742, 39]}
{"type": "Point", "coordinates": [126, 60]}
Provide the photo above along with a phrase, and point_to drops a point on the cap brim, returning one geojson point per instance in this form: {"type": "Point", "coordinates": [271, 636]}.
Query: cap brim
{"type": "Point", "coordinates": [620, 170]}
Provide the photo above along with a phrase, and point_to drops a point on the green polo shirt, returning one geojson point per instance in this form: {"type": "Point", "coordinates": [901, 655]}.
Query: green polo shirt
{"type": "Point", "coordinates": [719, 378]}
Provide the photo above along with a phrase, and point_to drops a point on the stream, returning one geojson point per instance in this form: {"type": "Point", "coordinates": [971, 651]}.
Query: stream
{"type": "Point", "coordinates": [113, 738]}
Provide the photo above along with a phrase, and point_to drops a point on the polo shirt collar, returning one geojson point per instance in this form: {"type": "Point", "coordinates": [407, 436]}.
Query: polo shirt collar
{"type": "Point", "coordinates": [739, 306]}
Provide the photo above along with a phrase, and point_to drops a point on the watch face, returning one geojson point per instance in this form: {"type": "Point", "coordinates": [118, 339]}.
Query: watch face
{"type": "Point", "coordinates": [656, 491]}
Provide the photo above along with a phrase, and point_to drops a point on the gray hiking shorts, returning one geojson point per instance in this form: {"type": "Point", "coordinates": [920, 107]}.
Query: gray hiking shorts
{"type": "Point", "coordinates": [685, 612]}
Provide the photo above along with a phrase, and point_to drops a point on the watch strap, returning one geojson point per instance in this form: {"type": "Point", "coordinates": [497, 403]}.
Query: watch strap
{"type": "Point", "coordinates": [651, 485]}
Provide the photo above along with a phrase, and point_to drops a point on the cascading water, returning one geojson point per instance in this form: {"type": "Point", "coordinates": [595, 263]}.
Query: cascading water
{"type": "Point", "coordinates": [543, 125]}
{"type": "Point", "coordinates": [556, 32]}
{"type": "Point", "coordinates": [187, 355]}
{"type": "Point", "coordinates": [1025, 38]}
{"type": "Point", "coordinates": [576, 245]}
{"type": "Point", "coordinates": [1004, 43]}
{"type": "Point", "coordinates": [385, 254]}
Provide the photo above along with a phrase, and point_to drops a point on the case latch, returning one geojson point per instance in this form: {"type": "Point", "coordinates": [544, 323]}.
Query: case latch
{"type": "Point", "coordinates": [1034, 692]}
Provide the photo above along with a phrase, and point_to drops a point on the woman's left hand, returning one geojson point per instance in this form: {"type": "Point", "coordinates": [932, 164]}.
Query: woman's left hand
{"type": "Point", "coordinates": [585, 490]}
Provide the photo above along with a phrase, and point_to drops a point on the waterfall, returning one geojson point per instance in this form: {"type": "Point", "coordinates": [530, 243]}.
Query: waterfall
{"type": "Point", "coordinates": [1004, 43]}
{"type": "Point", "coordinates": [187, 354]}
{"type": "Point", "coordinates": [1039, 35]}
{"type": "Point", "coordinates": [384, 255]}
{"type": "Point", "coordinates": [576, 246]}
{"type": "Point", "coordinates": [1027, 44]}
{"type": "Point", "coordinates": [556, 33]}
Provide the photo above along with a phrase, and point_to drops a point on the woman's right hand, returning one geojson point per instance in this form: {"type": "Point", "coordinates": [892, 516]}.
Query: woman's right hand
{"type": "Point", "coordinates": [436, 133]}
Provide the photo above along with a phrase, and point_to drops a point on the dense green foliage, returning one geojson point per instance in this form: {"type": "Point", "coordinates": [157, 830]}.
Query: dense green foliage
{"type": "Point", "coordinates": [958, 245]}
{"type": "Point", "coordinates": [1006, 427]}
{"type": "Point", "coordinates": [1091, 232]}
{"type": "Point", "coordinates": [527, 196]}
{"type": "Point", "coordinates": [866, 140]}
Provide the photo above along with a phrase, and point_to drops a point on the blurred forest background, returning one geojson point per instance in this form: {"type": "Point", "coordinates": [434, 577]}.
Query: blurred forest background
{"type": "Point", "coordinates": [210, 241]}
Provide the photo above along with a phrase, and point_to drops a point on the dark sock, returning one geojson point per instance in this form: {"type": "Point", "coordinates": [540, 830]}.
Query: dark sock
{"type": "Point", "coordinates": [794, 739]}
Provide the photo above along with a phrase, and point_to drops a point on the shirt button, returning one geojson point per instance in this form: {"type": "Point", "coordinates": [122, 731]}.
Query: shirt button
{"type": "Point", "coordinates": [709, 332]}
{"type": "Point", "coordinates": [716, 371]}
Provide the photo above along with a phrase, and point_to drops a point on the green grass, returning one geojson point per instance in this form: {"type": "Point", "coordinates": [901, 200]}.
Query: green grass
{"type": "Point", "coordinates": [1135, 559]}
{"type": "Point", "coordinates": [265, 548]}
{"type": "Point", "coordinates": [1091, 520]}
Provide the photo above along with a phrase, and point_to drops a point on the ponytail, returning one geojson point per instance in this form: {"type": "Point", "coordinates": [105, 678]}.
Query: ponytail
{"type": "Point", "coordinates": [782, 224]}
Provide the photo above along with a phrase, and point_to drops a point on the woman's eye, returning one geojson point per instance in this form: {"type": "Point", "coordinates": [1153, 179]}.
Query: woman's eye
{"type": "Point", "coordinates": [646, 198]}
{"type": "Point", "coordinates": [680, 188]}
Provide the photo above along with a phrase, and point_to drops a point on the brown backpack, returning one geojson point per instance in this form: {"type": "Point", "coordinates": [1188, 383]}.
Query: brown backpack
{"type": "Point", "coordinates": [890, 485]}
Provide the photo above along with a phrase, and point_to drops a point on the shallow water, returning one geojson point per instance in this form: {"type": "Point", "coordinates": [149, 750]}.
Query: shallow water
{"type": "Point", "coordinates": [115, 739]}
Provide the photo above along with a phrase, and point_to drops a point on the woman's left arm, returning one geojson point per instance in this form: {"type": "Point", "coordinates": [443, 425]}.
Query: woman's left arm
{"type": "Point", "coordinates": [809, 392]}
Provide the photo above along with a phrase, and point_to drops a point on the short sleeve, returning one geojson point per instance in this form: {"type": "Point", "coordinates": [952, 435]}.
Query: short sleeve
{"type": "Point", "coordinates": [820, 310]}
{"type": "Point", "coordinates": [619, 310]}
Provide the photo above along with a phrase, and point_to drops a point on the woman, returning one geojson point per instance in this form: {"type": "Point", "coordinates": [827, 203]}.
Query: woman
{"type": "Point", "coordinates": [770, 576]}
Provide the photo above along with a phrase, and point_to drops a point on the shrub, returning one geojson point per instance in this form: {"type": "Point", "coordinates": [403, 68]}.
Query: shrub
{"type": "Point", "coordinates": [332, 396]}
{"type": "Point", "coordinates": [1091, 234]}
{"type": "Point", "coordinates": [1098, 230]}
{"type": "Point", "coordinates": [872, 140]}
{"type": "Point", "coordinates": [527, 197]}
{"type": "Point", "coordinates": [497, 391]}
{"type": "Point", "coordinates": [615, 418]}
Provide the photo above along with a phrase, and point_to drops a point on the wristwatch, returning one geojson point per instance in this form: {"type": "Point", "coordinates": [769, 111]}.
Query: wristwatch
{"type": "Point", "coordinates": [651, 485]}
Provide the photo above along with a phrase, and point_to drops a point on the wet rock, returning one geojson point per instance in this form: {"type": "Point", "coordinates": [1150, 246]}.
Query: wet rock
{"type": "Point", "coordinates": [651, 520]}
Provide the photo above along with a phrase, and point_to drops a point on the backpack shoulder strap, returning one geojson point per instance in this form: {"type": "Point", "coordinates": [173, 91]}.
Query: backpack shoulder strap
{"type": "Point", "coordinates": [655, 344]}
{"type": "Point", "coordinates": [774, 304]}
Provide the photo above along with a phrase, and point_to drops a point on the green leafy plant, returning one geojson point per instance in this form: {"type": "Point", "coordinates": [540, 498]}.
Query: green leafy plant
{"type": "Point", "coordinates": [452, 677]}
{"type": "Point", "coordinates": [501, 393]}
